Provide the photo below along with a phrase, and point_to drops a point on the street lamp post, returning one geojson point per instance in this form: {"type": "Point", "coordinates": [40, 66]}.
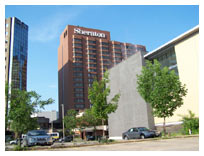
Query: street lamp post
{"type": "Point", "coordinates": [63, 118]}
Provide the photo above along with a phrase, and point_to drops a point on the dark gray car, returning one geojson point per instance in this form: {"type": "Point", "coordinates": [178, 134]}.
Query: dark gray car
{"type": "Point", "coordinates": [37, 137]}
{"type": "Point", "coordinates": [138, 133]}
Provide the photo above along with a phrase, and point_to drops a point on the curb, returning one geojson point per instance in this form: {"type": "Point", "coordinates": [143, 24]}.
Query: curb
{"type": "Point", "coordinates": [116, 142]}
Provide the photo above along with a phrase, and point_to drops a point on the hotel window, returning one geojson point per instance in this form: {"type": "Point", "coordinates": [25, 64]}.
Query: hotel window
{"type": "Point", "coordinates": [78, 59]}
{"type": "Point", "coordinates": [78, 95]}
{"type": "Point", "coordinates": [77, 64]}
{"type": "Point", "coordinates": [77, 49]}
{"type": "Point", "coordinates": [90, 80]}
{"type": "Point", "coordinates": [104, 48]}
{"type": "Point", "coordinates": [106, 52]}
{"type": "Point", "coordinates": [106, 57]}
{"type": "Point", "coordinates": [77, 40]}
{"type": "Point", "coordinates": [105, 43]}
{"type": "Point", "coordinates": [118, 50]}
{"type": "Point", "coordinates": [92, 70]}
{"type": "Point", "coordinates": [118, 59]}
{"type": "Point", "coordinates": [78, 74]}
{"type": "Point", "coordinates": [92, 65]}
{"type": "Point", "coordinates": [78, 54]}
{"type": "Point", "coordinates": [78, 84]}
{"type": "Point", "coordinates": [91, 46]}
{"type": "Point", "coordinates": [91, 55]}
{"type": "Point", "coordinates": [77, 45]}
{"type": "Point", "coordinates": [118, 54]}
{"type": "Point", "coordinates": [79, 106]}
{"type": "Point", "coordinates": [91, 75]}
{"type": "Point", "coordinates": [5, 49]}
{"type": "Point", "coordinates": [78, 79]}
{"type": "Point", "coordinates": [79, 100]}
{"type": "Point", "coordinates": [106, 61]}
{"type": "Point", "coordinates": [92, 60]}
{"type": "Point", "coordinates": [78, 89]}
{"type": "Point", "coordinates": [78, 69]}
{"type": "Point", "coordinates": [117, 45]}
{"type": "Point", "coordinates": [92, 51]}
{"type": "Point", "coordinates": [92, 42]}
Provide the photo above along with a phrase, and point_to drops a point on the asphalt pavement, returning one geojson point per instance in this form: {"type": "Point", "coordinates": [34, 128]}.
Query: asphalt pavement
{"type": "Point", "coordinates": [175, 144]}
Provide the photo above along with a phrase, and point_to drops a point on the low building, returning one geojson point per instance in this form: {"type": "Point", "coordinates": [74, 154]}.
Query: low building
{"type": "Point", "coordinates": [179, 54]}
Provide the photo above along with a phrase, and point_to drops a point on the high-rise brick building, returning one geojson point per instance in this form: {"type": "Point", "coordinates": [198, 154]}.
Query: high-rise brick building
{"type": "Point", "coordinates": [85, 54]}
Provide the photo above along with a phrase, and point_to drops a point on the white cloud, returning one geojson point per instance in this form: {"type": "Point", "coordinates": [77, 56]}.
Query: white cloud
{"type": "Point", "coordinates": [51, 27]}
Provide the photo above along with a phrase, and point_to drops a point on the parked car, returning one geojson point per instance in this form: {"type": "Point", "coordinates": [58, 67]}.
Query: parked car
{"type": "Point", "coordinates": [15, 142]}
{"type": "Point", "coordinates": [138, 133]}
{"type": "Point", "coordinates": [66, 139]}
{"type": "Point", "coordinates": [92, 137]}
{"type": "Point", "coordinates": [37, 137]}
{"type": "Point", "coordinates": [54, 135]}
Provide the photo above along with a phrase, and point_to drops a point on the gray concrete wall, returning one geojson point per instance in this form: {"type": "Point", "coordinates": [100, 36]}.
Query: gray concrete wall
{"type": "Point", "coordinates": [132, 110]}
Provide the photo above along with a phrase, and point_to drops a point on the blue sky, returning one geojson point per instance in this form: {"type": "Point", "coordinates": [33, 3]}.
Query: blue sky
{"type": "Point", "coordinates": [151, 26]}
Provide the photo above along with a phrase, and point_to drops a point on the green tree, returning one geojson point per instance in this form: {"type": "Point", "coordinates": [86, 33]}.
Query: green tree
{"type": "Point", "coordinates": [90, 120]}
{"type": "Point", "coordinates": [161, 88]}
{"type": "Point", "coordinates": [98, 97]}
{"type": "Point", "coordinates": [70, 121]}
{"type": "Point", "coordinates": [22, 105]}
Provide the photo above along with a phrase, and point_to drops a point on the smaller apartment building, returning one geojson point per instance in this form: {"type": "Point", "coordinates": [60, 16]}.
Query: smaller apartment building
{"type": "Point", "coordinates": [179, 54]}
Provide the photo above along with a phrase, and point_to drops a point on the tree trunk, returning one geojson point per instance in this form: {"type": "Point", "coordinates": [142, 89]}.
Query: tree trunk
{"type": "Point", "coordinates": [164, 127]}
{"type": "Point", "coordinates": [103, 129]}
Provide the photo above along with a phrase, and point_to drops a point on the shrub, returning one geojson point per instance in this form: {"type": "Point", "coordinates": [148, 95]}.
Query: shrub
{"type": "Point", "coordinates": [190, 123]}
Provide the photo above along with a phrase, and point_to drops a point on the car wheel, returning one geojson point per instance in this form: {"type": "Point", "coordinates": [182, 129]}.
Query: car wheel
{"type": "Point", "coordinates": [126, 138]}
{"type": "Point", "coordinates": [142, 136]}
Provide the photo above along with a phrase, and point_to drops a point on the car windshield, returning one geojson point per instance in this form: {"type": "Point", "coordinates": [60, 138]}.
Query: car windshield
{"type": "Point", "coordinates": [143, 129]}
{"type": "Point", "coordinates": [36, 133]}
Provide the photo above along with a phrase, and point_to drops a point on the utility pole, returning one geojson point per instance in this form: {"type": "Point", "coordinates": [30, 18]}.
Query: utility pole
{"type": "Point", "coordinates": [63, 118]}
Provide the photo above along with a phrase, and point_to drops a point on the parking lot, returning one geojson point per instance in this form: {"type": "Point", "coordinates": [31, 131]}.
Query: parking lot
{"type": "Point", "coordinates": [176, 144]}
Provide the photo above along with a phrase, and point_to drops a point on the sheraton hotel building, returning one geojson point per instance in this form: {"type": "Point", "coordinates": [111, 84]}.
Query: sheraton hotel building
{"type": "Point", "coordinates": [85, 54]}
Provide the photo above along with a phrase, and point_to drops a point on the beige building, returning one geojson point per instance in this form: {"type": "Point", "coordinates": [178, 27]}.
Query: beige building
{"type": "Point", "coordinates": [181, 55]}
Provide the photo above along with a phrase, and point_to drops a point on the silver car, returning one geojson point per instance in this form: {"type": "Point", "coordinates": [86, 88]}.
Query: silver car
{"type": "Point", "coordinates": [37, 137]}
{"type": "Point", "coordinates": [139, 133]}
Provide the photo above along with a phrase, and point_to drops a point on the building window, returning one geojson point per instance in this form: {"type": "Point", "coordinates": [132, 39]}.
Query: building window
{"type": "Point", "coordinates": [78, 59]}
{"type": "Point", "coordinates": [92, 70]}
{"type": "Point", "coordinates": [92, 42]}
{"type": "Point", "coordinates": [5, 49]}
{"type": "Point", "coordinates": [77, 45]}
{"type": "Point", "coordinates": [117, 45]}
{"type": "Point", "coordinates": [118, 59]}
{"type": "Point", "coordinates": [78, 54]}
{"type": "Point", "coordinates": [91, 55]}
{"type": "Point", "coordinates": [106, 52]}
{"type": "Point", "coordinates": [106, 57]}
{"type": "Point", "coordinates": [77, 40]}
{"type": "Point", "coordinates": [6, 33]}
{"type": "Point", "coordinates": [78, 84]}
{"type": "Point", "coordinates": [78, 89]}
{"type": "Point", "coordinates": [92, 51]}
{"type": "Point", "coordinates": [90, 80]}
{"type": "Point", "coordinates": [65, 33]}
{"type": "Point", "coordinates": [77, 49]}
{"type": "Point", "coordinates": [118, 54]}
{"type": "Point", "coordinates": [78, 74]}
{"type": "Point", "coordinates": [104, 43]}
{"type": "Point", "coordinates": [118, 50]}
{"type": "Point", "coordinates": [92, 60]}
{"type": "Point", "coordinates": [77, 64]}
{"type": "Point", "coordinates": [92, 65]}
{"type": "Point", "coordinates": [79, 100]}
{"type": "Point", "coordinates": [91, 75]}
{"type": "Point", "coordinates": [104, 48]}
{"type": "Point", "coordinates": [78, 79]}
{"type": "Point", "coordinates": [78, 95]}
{"type": "Point", "coordinates": [91, 46]}
{"type": "Point", "coordinates": [79, 106]}
{"type": "Point", "coordinates": [77, 69]}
